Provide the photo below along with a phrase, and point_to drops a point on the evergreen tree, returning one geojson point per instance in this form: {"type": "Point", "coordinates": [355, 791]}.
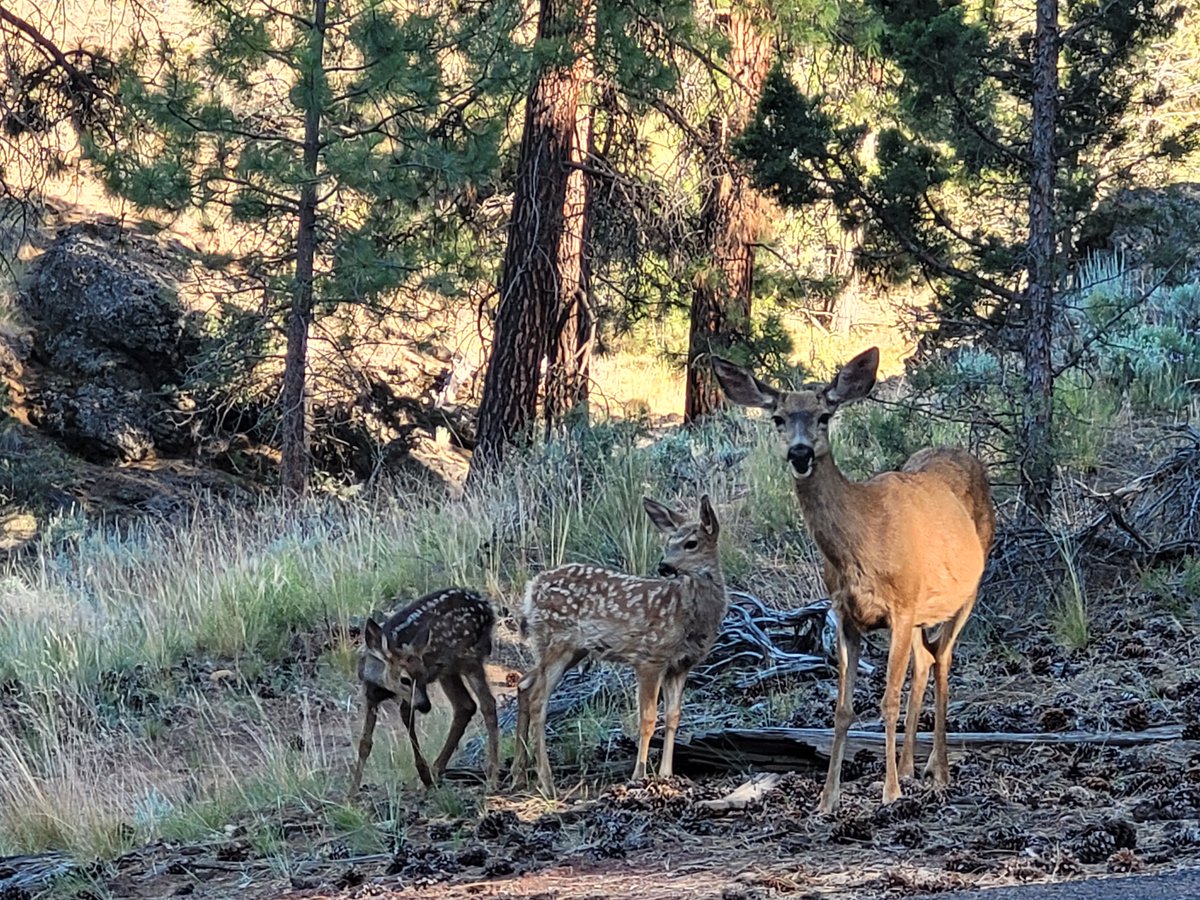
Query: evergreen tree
{"type": "Point", "coordinates": [730, 214]}
{"type": "Point", "coordinates": [536, 275]}
{"type": "Point", "coordinates": [346, 132]}
{"type": "Point", "coordinates": [1006, 128]}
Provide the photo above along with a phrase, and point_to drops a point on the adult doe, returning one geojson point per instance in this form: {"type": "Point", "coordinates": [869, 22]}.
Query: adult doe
{"type": "Point", "coordinates": [904, 550]}
{"type": "Point", "coordinates": [444, 637]}
{"type": "Point", "coordinates": [661, 626]}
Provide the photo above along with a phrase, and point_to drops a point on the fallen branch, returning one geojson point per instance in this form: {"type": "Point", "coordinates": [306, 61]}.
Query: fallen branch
{"type": "Point", "coordinates": [747, 795]}
{"type": "Point", "coordinates": [791, 749]}
{"type": "Point", "coordinates": [33, 872]}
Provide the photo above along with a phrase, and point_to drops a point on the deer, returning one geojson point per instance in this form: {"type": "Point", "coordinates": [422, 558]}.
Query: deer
{"type": "Point", "coordinates": [443, 637]}
{"type": "Point", "coordinates": [904, 550]}
{"type": "Point", "coordinates": [661, 626]}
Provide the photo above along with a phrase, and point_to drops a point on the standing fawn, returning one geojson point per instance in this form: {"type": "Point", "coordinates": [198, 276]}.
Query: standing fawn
{"type": "Point", "coordinates": [904, 550]}
{"type": "Point", "coordinates": [660, 626]}
{"type": "Point", "coordinates": [444, 637]}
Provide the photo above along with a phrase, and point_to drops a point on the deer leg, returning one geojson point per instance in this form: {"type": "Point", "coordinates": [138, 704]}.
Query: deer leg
{"type": "Point", "coordinates": [672, 712]}
{"type": "Point", "coordinates": [849, 644]}
{"type": "Point", "coordinates": [897, 668]}
{"type": "Point", "coordinates": [551, 671]}
{"type": "Point", "coordinates": [922, 658]}
{"type": "Point", "coordinates": [365, 743]}
{"type": "Point", "coordinates": [464, 708]}
{"type": "Point", "coordinates": [939, 761]}
{"type": "Point", "coordinates": [410, 725]}
{"type": "Point", "coordinates": [520, 766]}
{"type": "Point", "coordinates": [478, 683]}
{"type": "Point", "coordinates": [649, 681]}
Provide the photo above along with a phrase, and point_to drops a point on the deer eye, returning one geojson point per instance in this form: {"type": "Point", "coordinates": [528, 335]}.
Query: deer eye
{"type": "Point", "coordinates": [778, 420]}
{"type": "Point", "coordinates": [824, 418]}
{"type": "Point", "coordinates": [691, 545]}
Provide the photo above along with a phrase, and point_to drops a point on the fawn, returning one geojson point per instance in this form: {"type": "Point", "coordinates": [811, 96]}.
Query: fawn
{"type": "Point", "coordinates": [444, 637]}
{"type": "Point", "coordinates": [905, 550]}
{"type": "Point", "coordinates": [661, 626]}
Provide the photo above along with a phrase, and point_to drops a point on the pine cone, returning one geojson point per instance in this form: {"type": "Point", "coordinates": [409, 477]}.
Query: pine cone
{"type": "Point", "coordinates": [1137, 717]}
{"type": "Point", "coordinates": [965, 861]}
{"type": "Point", "coordinates": [1191, 731]}
{"type": "Point", "coordinates": [1057, 719]}
{"type": "Point", "coordinates": [1002, 837]}
{"type": "Point", "coordinates": [1124, 833]}
{"type": "Point", "coordinates": [901, 810]}
{"type": "Point", "coordinates": [1179, 836]}
{"type": "Point", "coordinates": [864, 763]}
{"type": "Point", "coordinates": [496, 824]}
{"type": "Point", "coordinates": [1134, 649]}
{"type": "Point", "coordinates": [910, 835]}
{"type": "Point", "coordinates": [1095, 845]}
{"type": "Point", "coordinates": [472, 855]}
{"type": "Point", "coordinates": [1096, 783]}
{"type": "Point", "coordinates": [1124, 861]}
{"type": "Point", "coordinates": [852, 830]}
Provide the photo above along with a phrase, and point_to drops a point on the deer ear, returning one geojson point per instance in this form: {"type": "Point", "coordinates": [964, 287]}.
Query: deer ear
{"type": "Point", "coordinates": [855, 379]}
{"type": "Point", "coordinates": [742, 387]}
{"type": "Point", "coordinates": [708, 517]}
{"type": "Point", "coordinates": [373, 636]}
{"type": "Point", "coordinates": [665, 519]}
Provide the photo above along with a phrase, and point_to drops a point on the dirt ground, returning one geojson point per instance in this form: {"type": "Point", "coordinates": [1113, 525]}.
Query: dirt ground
{"type": "Point", "coordinates": [1012, 814]}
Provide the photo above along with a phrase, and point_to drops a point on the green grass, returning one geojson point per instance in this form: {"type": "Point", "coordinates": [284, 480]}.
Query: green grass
{"type": "Point", "coordinates": [235, 586]}
{"type": "Point", "coordinates": [1069, 614]}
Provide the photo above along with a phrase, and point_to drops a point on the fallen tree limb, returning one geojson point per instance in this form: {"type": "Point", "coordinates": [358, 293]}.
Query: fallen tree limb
{"type": "Point", "coordinates": [747, 795]}
{"type": "Point", "coordinates": [796, 749]}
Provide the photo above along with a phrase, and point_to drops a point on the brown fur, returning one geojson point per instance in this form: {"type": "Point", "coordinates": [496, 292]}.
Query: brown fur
{"type": "Point", "coordinates": [444, 637]}
{"type": "Point", "coordinates": [661, 626]}
{"type": "Point", "coordinates": [904, 550]}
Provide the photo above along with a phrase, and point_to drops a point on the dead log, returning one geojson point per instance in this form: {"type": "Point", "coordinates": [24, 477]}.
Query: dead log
{"type": "Point", "coordinates": [805, 749]}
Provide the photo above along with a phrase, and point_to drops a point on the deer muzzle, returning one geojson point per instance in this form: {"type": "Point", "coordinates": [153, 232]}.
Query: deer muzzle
{"type": "Point", "coordinates": [666, 570]}
{"type": "Point", "coordinates": [800, 460]}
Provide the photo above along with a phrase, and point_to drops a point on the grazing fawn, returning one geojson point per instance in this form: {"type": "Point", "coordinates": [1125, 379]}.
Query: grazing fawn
{"type": "Point", "coordinates": [904, 550]}
{"type": "Point", "coordinates": [661, 626]}
{"type": "Point", "coordinates": [444, 637]}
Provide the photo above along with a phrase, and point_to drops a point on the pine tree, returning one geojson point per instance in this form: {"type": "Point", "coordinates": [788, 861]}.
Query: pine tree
{"type": "Point", "coordinates": [344, 132]}
{"type": "Point", "coordinates": [1007, 128]}
{"type": "Point", "coordinates": [531, 283]}
{"type": "Point", "coordinates": [729, 216]}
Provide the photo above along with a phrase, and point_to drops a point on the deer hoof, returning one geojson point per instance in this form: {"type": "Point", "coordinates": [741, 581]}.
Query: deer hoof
{"type": "Point", "coordinates": [828, 802]}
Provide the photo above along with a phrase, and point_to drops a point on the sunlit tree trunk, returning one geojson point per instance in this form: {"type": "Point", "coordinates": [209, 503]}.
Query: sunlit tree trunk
{"type": "Point", "coordinates": [530, 282]}
{"type": "Point", "coordinates": [568, 366]}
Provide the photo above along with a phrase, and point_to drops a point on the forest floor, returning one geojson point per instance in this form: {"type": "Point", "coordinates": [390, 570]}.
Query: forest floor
{"type": "Point", "coordinates": [1011, 815]}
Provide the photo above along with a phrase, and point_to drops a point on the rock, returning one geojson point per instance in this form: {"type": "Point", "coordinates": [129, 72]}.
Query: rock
{"type": "Point", "coordinates": [112, 344]}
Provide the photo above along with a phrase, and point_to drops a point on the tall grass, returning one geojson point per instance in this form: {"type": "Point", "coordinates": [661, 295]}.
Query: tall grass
{"type": "Point", "coordinates": [232, 587]}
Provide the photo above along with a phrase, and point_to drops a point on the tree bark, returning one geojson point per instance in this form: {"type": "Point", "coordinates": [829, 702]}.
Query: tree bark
{"type": "Point", "coordinates": [729, 216]}
{"type": "Point", "coordinates": [1036, 455]}
{"type": "Point", "coordinates": [530, 281]}
{"type": "Point", "coordinates": [293, 401]}
{"type": "Point", "coordinates": [568, 368]}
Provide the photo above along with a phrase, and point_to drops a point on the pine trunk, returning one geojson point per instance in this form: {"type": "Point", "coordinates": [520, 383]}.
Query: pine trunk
{"type": "Point", "coordinates": [720, 314]}
{"type": "Point", "coordinates": [530, 281]}
{"type": "Point", "coordinates": [1037, 464]}
{"type": "Point", "coordinates": [568, 368]}
{"type": "Point", "coordinates": [293, 401]}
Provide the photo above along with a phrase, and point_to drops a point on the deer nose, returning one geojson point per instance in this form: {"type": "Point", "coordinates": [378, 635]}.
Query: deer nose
{"type": "Point", "coordinates": [667, 571]}
{"type": "Point", "coordinates": [801, 457]}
